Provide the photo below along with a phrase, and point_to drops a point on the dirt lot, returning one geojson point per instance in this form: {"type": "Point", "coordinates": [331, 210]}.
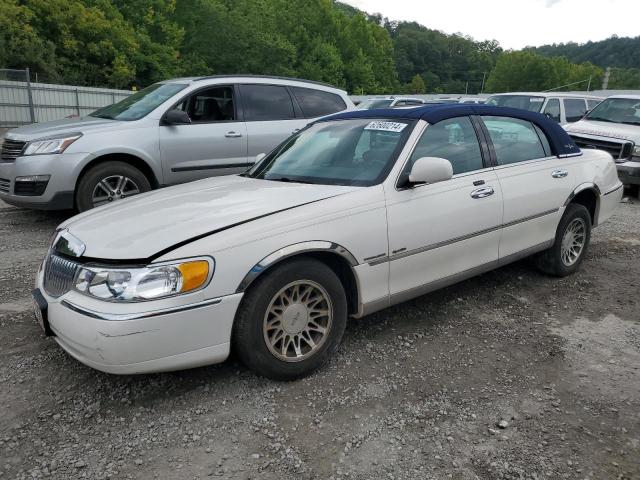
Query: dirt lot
{"type": "Point", "coordinates": [506, 376]}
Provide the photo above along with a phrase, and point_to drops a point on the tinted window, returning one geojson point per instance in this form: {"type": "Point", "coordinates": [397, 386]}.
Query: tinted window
{"type": "Point", "coordinates": [591, 104]}
{"type": "Point", "coordinates": [266, 102]}
{"type": "Point", "coordinates": [552, 109]}
{"type": "Point", "coordinates": [210, 105]}
{"type": "Point", "coordinates": [514, 140]}
{"type": "Point", "coordinates": [574, 109]}
{"type": "Point", "coordinates": [453, 139]}
{"type": "Point", "coordinates": [315, 103]}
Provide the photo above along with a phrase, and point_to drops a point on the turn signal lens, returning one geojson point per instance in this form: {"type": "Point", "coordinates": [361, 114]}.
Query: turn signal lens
{"type": "Point", "coordinates": [194, 274]}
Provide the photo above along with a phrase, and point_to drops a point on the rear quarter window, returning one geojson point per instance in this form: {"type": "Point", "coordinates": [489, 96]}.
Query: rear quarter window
{"type": "Point", "coordinates": [316, 103]}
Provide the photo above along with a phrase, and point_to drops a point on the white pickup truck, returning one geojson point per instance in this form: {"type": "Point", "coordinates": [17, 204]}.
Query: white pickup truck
{"type": "Point", "coordinates": [613, 126]}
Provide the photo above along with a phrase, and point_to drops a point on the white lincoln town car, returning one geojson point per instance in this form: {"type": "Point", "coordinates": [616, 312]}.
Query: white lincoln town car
{"type": "Point", "coordinates": [356, 212]}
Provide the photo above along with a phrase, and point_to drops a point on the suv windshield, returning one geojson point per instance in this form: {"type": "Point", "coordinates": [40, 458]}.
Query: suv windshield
{"type": "Point", "coordinates": [523, 102]}
{"type": "Point", "coordinates": [374, 103]}
{"type": "Point", "coordinates": [617, 110]}
{"type": "Point", "coordinates": [141, 103]}
{"type": "Point", "coordinates": [355, 152]}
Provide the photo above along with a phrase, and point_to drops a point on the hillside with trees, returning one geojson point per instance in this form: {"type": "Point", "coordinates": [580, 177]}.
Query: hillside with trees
{"type": "Point", "coordinates": [132, 43]}
{"type": "Point", "coordinates": [613, 52]}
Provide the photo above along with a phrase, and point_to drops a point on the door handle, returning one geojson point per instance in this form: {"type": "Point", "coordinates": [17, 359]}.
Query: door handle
{"type": "Point", "coordinates": [482, 192]}
{"type": "Point", "coordinates": [232, 134]}
{"type": "Point", "coordinates": [559, 173]}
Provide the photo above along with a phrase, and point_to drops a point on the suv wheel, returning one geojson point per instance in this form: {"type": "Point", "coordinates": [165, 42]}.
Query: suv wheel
{"type": "Point", "coordinates": [570, 246]}
{"type": "Point", "coordinates": [109, 182]}
{"type": "Point", "coordinates": [291, 320]}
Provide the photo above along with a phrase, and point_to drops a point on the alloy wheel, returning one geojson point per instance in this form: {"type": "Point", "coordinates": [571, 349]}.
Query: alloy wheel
{"type": "Point", "coordinates": [112, 188]}
{"type": "Point", "coordinates": [297, 321]}
{"type": "Point", "coordinates": [573, 241]}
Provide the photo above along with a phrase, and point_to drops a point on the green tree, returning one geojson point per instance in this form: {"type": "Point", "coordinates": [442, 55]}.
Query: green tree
{"type": "Point", "coordinates": [417, 85]}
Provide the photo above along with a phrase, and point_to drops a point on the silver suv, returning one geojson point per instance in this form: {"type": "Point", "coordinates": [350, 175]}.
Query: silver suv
{"type": "Point", "coordinates": [171, 132]}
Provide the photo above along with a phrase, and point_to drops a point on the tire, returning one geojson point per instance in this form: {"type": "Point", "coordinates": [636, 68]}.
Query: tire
{"type": "Point", "coordinates": [250, 337]}
{"type": "Point", "coordinates": [89, 190]}
{"type": "Point", "coordinates": [556, 260]}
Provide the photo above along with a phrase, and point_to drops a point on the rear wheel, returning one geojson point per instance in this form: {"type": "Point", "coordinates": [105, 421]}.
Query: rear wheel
{"type": "Point", "coordinates": [109, 182]}
{"type": "Point", "coordinates": [570, 245]}
{"type": "Point", "coordinates": [291, 320]}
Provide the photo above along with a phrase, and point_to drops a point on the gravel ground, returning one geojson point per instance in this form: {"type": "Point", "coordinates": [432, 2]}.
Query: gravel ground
{"type": "Point", "coordinates": [511, 375]}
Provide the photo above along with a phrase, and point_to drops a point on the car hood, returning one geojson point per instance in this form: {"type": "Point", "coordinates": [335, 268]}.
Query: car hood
{"type": "Point", "coordinates": [62, 127]}
{"type": "Point", "coordinates": [144, 226]}
{"type": "Point", "coordinates": [606, 129]}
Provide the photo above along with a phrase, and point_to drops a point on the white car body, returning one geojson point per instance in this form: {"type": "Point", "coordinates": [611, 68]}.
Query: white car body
{"type": "Point", "coordinates": [555, 105]}
{"type": "Point", "coordinates": [395, 244]}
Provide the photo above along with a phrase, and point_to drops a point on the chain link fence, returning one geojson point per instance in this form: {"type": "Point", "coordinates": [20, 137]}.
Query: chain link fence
{"type": "Point", "coordinates": [23, 102]}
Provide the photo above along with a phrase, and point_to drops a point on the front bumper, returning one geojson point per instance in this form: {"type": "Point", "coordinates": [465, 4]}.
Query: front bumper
{"type": "Point", "coordinates": [63, 170]}
{"type": "Point", "coordinates": [629, 172]}
{"type": "Point", "coordinates": [145, 341]}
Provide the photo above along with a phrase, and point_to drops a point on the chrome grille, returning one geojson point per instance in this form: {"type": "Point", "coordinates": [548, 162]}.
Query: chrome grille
{"type": "Point", "coordinates": [618, 150]}
{"type": "Point", "coordinates": [59, 274]}
{"type": "Point", "coordinates": [11, 149]}
{"type": "Point", "coordinates": [4, 185]}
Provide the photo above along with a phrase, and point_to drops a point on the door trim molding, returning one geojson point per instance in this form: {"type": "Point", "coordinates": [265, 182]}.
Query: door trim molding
{"type": "Point", "coordinates": [407, 253]}
{"type": "Point", "coordinates": [211, 167]}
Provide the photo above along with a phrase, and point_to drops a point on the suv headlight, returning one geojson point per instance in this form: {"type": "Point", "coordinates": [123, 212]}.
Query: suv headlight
{"type": "Point", "coordinates": [123, 284]}
{"type": "Point", "coordinates": [47, 146]}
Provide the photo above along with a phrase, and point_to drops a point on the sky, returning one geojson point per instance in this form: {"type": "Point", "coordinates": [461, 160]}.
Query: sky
{"type": "Point", "coordinates": [517, 23]}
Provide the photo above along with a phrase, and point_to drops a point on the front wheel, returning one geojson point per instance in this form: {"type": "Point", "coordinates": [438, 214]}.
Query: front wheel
{"type": "Point", "coordinates": [291, 320]}
{"type": "Point", "coordinates": [109, 182]}
{"type": "Point", "coordinates": [570, 245]}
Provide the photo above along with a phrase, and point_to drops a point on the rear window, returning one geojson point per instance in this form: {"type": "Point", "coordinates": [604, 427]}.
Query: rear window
{"type": "Point", "coordinates": [316, 103]}
{"type": "Point", "coordinates": [266, 102]}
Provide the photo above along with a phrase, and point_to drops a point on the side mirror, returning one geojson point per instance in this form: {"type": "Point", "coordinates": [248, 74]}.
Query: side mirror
{"type": "Point", "coordinates": [260, 156]}
{"type": "Point", "coordinates": [430, 170]}
{"type": "Point", "coordinates": [176, 117]}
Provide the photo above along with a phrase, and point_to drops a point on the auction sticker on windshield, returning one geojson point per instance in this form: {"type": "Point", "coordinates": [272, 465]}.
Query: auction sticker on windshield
{"type": "Point", "coordinates": [386, 126]}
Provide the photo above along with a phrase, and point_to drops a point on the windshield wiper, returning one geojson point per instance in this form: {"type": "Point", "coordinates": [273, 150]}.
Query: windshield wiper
{"type": "Point", "coordinates": [101, 116]}
{"type": "Point", "coordinates": [287, 179]}
{"type": "Point", "coordinates": [631, 123]}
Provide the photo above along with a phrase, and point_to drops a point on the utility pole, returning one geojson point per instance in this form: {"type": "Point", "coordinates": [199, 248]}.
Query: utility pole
{"type": "Point", "coordinates": [466, 88]}
{"type": "Point", "coordinates": [589, 84]}
{"type": "Point", "coordinates": [605, 81]}
{"type": "Point", "coordinates": [482, 87]}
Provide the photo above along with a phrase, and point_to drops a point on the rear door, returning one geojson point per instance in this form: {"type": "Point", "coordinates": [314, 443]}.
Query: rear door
{"type": "Point", "coordinates": [270, 115]}
{"type": "Point", "coordinates": [535, 184]}
{"type": "Point", "coordinates": [214, 143]}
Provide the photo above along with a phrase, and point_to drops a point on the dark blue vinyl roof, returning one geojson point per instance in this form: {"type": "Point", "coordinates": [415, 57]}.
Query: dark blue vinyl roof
{"type": "Point", "coordinates": [560, 142]}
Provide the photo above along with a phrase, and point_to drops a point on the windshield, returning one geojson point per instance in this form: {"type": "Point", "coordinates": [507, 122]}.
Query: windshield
{"type": "Point", "coordinates": [617, 110]}
{"type": "Point", "coordinates": [357, 152]}
{"type": "Point", "coordinates": [374, 103]}
{"type": "Point", "coordinates": [141, 103]}
{"type": "Point", "coordinates": [523, 102]}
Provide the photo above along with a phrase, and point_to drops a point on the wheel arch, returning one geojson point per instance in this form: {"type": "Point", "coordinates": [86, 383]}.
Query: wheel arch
{"type": "Point", "coordinates": [129, 158]}
{"type": "Point", "coordinates": [587, 195]}
{"type": "Point", "coordinates": [335, 256]}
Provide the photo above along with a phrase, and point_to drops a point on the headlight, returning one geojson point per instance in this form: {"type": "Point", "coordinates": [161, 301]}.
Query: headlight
{"type": "Point", "coordinates": [46, 146]}
{"type": "Point", "coordinates": [145, 283]}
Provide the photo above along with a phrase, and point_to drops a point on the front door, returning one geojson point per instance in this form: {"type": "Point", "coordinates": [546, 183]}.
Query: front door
{"type": "Point", "coordinates": [214, 143]}
{"type": "Point", "coordinates": [453, 227]}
